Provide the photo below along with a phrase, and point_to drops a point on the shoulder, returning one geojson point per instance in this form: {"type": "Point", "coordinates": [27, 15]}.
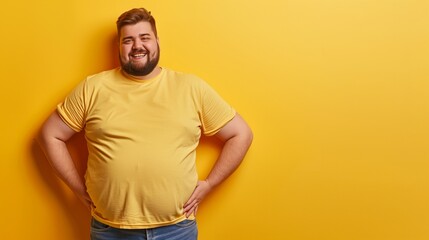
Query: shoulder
{"type": "Point", "coordinates": [183, 78]}
{"type": "Point", "coordinates": [99, 80]}
{"type": "Point", "coordinates": [103, 76]}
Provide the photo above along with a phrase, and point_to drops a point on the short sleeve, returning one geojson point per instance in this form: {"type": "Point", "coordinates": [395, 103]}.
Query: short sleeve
{"type": "Point", "coordinates": [215, 111]}
{"type": "Point", "coordinates": [72, 110]}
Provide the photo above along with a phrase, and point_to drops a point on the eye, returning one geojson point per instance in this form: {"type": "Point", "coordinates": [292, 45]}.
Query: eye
{"type": "Point", "coordinates": [127, 41]}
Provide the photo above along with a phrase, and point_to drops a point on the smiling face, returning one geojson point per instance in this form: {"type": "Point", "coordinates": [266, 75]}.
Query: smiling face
{"type": "Point", "coordinates": [139, 50]}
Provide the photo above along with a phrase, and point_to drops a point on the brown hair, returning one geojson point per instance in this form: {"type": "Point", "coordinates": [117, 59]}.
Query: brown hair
{"type": "Point", "coordinates": [134, 16]}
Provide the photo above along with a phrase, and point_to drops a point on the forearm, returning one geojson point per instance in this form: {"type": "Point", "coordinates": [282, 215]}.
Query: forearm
{"type": "Point", "coordinates": [237, 138]}
{"type": "Point", "coordinates": [230, 158]}
{"type": "Point", "coordinates": [61, 161]}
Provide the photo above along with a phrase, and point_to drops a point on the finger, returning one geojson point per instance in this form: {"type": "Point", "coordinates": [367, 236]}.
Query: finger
{"type": "Point", "coordinates": [189, 206]}
{"type": "Point", "coordinates": [187, 213]}
{"type": "Point", "coordinates": [190, 201]}
{"type": "Point", "coordinates": [195, 210]}
{"type": "Point", "coordinates": [87, 204]}
{"type": "Point", "coordinates": [192, 210]}
{"type": "Point", "coordinates": [194, 197]}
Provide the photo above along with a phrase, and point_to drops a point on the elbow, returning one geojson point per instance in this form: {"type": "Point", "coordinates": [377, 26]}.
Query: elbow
{"type": "Point", "coordinates": [248, 137]}
{"type": "Point", "coordinates": [41, 137]}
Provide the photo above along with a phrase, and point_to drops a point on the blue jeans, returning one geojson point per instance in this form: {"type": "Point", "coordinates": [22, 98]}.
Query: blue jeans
{"type": "Point", "coordinates": [185, 230]}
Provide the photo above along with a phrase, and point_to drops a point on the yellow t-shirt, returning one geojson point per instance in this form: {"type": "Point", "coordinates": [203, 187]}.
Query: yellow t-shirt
{"type": "Point", "coordinates": [142, 136]}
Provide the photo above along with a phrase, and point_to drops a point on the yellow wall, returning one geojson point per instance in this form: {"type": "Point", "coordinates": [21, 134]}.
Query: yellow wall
{"type": "Point", "coordinates": [336, 92]}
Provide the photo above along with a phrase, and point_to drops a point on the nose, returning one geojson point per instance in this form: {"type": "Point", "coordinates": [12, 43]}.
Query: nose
{"type": "Point", "coordinates": [137, 44]}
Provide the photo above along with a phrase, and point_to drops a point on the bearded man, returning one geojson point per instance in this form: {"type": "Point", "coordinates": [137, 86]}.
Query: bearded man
{"type": "Point", "coordinates": [143, 123]}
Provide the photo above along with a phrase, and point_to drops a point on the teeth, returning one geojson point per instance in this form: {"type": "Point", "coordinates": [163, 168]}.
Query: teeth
{"type": "Point", "coordinates": [139, 55]}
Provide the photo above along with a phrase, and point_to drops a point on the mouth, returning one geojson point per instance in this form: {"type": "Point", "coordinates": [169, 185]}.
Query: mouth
{"type": "Point", "coordinates": [138, 55]}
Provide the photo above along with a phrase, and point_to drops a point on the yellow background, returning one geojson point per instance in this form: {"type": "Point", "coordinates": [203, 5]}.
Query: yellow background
{"type": "Point", "coordinates": [336, 92]}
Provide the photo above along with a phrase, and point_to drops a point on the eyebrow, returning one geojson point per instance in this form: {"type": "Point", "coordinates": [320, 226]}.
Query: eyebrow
{"type": "Point", "coordinates": [140, 35]}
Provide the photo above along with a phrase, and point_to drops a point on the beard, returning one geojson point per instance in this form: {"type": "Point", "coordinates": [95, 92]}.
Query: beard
{"type": "Point", "coordinates": [140, 70]}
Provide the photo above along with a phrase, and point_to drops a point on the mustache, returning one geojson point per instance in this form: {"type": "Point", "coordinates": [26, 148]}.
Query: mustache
{"type": "Point", "coordinates": [139, 51]}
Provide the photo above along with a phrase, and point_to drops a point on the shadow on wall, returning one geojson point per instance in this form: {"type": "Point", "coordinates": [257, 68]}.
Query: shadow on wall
{"type": "Point", "coordinates": [74, 211]}
{"type": "Point", "coordinates": [115, 50]}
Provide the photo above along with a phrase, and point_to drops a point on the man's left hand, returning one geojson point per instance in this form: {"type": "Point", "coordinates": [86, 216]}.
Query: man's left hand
{"type": "Point", "coordinates": [200, 192]}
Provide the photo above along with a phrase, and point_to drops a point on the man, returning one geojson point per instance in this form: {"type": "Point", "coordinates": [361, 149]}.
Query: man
{"type": "Point", "coordinates": [143, 123]}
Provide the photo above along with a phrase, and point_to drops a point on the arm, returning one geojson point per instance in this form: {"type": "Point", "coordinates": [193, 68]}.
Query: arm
{"type": "Point", "coordinates": [52, 138]}
{"type": "Point", "coordinates": [237, 138]}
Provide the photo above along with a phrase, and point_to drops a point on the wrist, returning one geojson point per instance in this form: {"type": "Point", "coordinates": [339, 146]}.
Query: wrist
{"type": "Point", "coordinates": [209, 183]}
